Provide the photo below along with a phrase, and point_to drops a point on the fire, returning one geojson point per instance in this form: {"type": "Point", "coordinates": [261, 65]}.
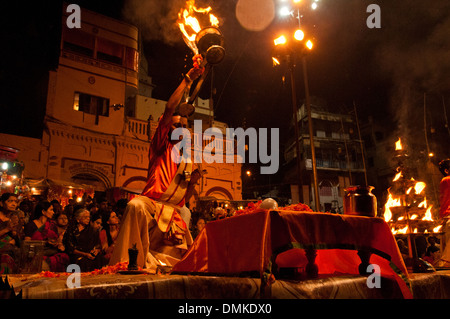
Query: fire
{"type": "Point", "coordinates": [280, 40]}
{"type": "Point", "coordinates": [437, 229]}
{"type": "Point", "coordinates": [403, 230]}
{"type": "Point", "coordinates": [398, 145]}
{"type": "Point", "coordinates": [423, 204]}
{"type": "Point", "coordinates": [428, 214]}
{"type": "Point", "coordinates": [161, 263]}
{"type": "Point", "coordinates": [391, 202]}
{"type": "Point", "coordinates": [397, 176]}
{"type": "Point", "coordinates": [275, 61]}
{"type": "Point", "coordinates": [190, 26]}
{"type": "Point", "coordinates": [419, 187]}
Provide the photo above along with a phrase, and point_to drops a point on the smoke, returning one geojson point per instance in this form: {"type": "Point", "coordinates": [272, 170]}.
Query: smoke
{"type": "Point", "coordinates": [413, 50]}
{"type": "Point", "coordinates": [155, 19]}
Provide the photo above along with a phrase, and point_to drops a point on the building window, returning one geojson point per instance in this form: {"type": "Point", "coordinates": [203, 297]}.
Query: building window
{"type": "Point", "coordinates": [79, 42]}
{"type": "Point", "coordinates": [91, 104]}
{"type": "Point", "coordinates": [109, 51]}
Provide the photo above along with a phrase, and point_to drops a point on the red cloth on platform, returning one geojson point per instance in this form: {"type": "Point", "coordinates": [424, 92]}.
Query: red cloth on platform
{"type": "Point", "coordinates": [250, 242]}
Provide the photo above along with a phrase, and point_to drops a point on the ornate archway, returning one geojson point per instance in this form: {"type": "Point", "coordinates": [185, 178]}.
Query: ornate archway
{"type": "Point", "coordinates": [219, 193]}
{"type": "Point", "coordinates": [98, 180]}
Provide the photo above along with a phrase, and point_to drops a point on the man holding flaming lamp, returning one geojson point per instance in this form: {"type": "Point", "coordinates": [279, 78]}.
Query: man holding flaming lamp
{"type": "Point", "coordinates": [152, 221]}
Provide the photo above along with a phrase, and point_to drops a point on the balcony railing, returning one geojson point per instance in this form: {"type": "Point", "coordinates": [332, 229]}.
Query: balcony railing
{"type": "Point", "coordinates": [334, 165]}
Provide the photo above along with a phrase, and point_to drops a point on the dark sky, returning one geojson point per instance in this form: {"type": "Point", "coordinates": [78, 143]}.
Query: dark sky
{"type": "Point", "coordinates": [385, 71]}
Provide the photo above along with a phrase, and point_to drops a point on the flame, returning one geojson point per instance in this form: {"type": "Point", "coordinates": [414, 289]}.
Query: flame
{"type": "Point", "coordinates": [419, 187]}
{"type": "Point", "coordinates": [403, 230]}
{"type": "Point", "coordinates": [414, 216]}
{"type": "Point", "coordinates": [213, 20]}
{"type": "Point", "coordinates": [437, 229]}
{"type": "Point", "coordinates": [397, 177]}
{"type": "Point", "coordinates": [280, 40]}
{"type": "Point", "coordinates": [275, 61]}
{"type": "Point", "coordinates": [189, 24]}
{"type": "Point", "coordinates": [398, 145]}
{"type": "Point", "coordinates": [428, 214]}
{"type": "Point", "coordinates": [161, 263]}
{"type": "Point", "coordinates": [391, 202]}
{"type": "Point", "coordinates": [423, 204]}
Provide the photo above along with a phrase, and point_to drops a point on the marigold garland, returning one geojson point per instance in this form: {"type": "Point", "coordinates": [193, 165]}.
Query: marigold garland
{"type": "Point", "coordinates": [107, 270]}
{"type": "Point", "coordinates": [254, 207]}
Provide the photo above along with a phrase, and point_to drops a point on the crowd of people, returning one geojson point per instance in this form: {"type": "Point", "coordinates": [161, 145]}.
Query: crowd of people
{"type": "Point", "coordinates": [81, 233]}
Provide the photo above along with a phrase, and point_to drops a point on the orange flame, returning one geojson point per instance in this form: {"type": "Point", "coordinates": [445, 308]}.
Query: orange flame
{"type": "Point", "coordinates": [398, 145]}
{"type": "Point", "coordinates": [397, 177]}
{"type": "Point", "coordinates": [419, 187]}
{"type": "Point", "coordinates": [391, 202]}
{"type": "Point", "coordinates": [428, 214]}
{"type": "Point", "coordinates": [189, 24]}
{"type": "Point", "coordinates": [423, 204]}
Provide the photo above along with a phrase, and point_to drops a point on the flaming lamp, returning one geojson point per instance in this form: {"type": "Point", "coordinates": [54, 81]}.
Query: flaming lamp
{"type": "Point", "coordinates": [207, 41]}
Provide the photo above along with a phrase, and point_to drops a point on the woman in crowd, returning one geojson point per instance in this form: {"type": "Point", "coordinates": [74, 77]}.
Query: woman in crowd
{"type": "Point", "coordinates": [43, 228]}
{"type": "Point", "coordinates": [109, 233]}
{"type": "Point", "coordinates": [83, 242]}
{"type": "Point", "coordinates": [201, 223]}
{"type": "Point", "coordinates": [61, 222]}
{"type": "Point", "coordinates": [9, 251]}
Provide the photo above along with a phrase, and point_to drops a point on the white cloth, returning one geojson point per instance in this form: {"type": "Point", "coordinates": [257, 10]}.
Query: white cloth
{"type": "Point", "coordinates": [185, 214]}
{"type": "Point", "coordinates": [139, 228]}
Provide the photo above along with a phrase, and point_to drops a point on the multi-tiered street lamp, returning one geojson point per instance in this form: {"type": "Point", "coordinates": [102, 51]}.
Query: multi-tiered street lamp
{"type": "Point", "coordinates": [289, 48]}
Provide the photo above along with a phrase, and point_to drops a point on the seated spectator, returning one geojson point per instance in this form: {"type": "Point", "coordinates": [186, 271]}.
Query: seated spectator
{"type": "Point", "coordinates": [9, 251]}
{"type": "Point", "coordinates": [9, 203]}
{"type": "Point", "coordinates": [201, 223]}
{"type": "Point", "coordinates": [61, 222]}
{"type": "Point", "coordinates": [433, 255]}
{"type": "Point", "coordinates": [26, 206]}
{"type": "Point", "coordinates": [109, 233]}
{"type": "Point", "coordinates": [57, 208]}
{"type": "Point", "coordinates": [18, 220]}
{"type": "Point", "coordinates": [43, 228]}
{"type": "Point", "coordinates": [96, 222]}
{"type": "Point", "coordinates": [83, 242]}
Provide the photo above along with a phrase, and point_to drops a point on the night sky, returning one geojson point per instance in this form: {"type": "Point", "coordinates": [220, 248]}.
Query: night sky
{"type": "Point", "coordinates": [384, 71]}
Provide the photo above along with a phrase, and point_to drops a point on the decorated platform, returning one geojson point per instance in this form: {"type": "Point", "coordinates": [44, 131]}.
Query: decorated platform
{"type": "Point", "coordinates": [143, 286]}
{"type": "Point", "coordinates": [266, 254]}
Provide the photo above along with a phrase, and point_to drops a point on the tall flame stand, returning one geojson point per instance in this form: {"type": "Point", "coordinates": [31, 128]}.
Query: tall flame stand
{"type": "Point", "coordinates": [407, 210]}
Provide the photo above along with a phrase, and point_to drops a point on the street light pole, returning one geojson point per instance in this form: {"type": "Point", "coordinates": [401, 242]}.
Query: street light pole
{"type": "Point", "coordinates": [297, 134]}
{"type": "Point", "coordinates": [311, 136]}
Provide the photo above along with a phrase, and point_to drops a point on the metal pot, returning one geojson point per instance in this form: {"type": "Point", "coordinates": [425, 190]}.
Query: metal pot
{"type": "Point", "coordinates": [359, 200]}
